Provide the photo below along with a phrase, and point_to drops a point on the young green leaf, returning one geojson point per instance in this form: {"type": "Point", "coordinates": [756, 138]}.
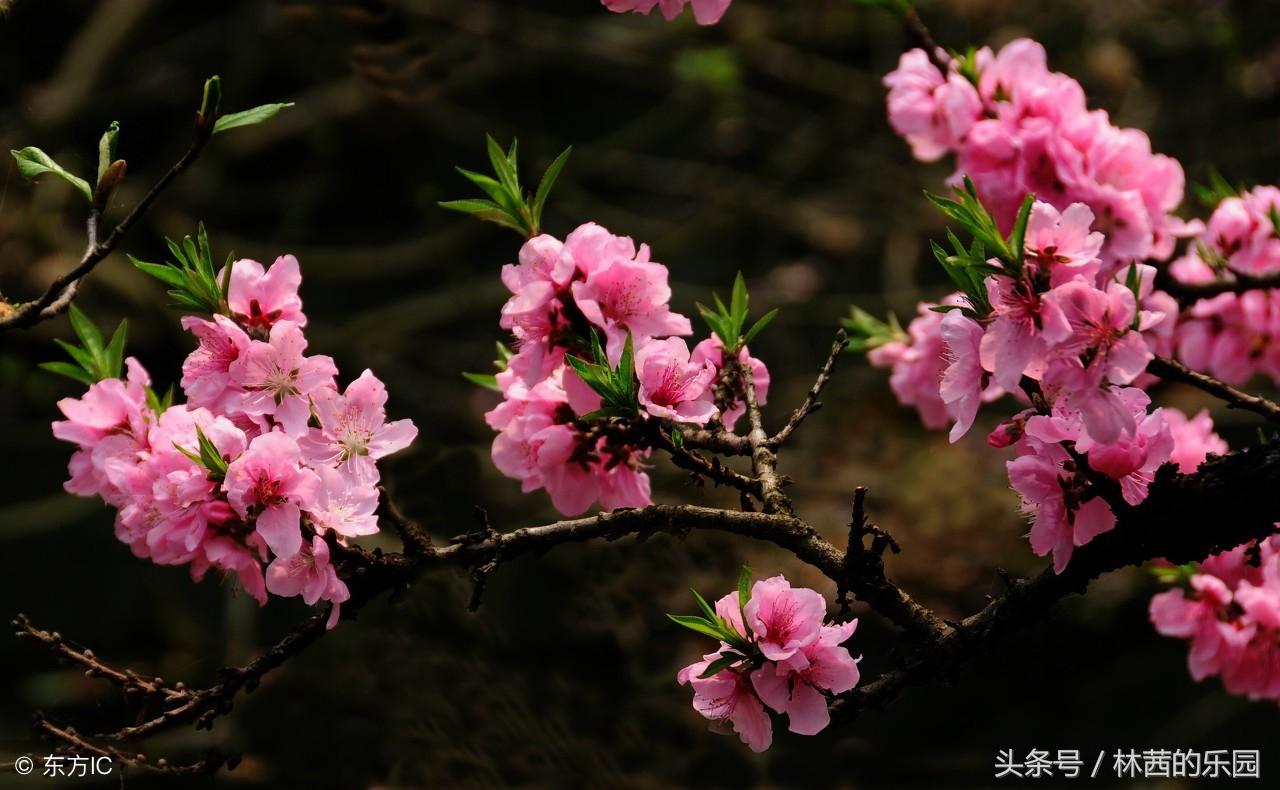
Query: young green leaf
{"type": "Point", "coordinates": [107, 148]}
{"type": "Point", "coordinates": [486, 210]}
{"type": "Point", "coordinates": [548, 180]}
{"type": "Point", "coordinates": [32, 162]}
{"type": "Point", "coordinates": [259, 114]}
{"type": "Point", "coordinates": [86, 331]}
{"type": "Point", "coordinates": [704, 606]}
{"type": "Point", "coordinates": [721, 664]}
{"type": "Point", "coordinates": [113, 354]}
{"type": "Point", "coordinates": [698, 624]}
{"type": "Point", "coordinates": [191, 275]}
{"type": "Point", "coordinates": [486, 380]}
{"type": "Point", "coordinates": [759, 325]}
{"type": "Point", "coordinates": [744, 587]}
{"type": "Point", "coordinates": [75, 372]}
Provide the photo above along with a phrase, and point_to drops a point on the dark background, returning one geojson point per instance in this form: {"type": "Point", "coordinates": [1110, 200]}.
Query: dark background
{"type": "Point", "coordinates": [758, 145]}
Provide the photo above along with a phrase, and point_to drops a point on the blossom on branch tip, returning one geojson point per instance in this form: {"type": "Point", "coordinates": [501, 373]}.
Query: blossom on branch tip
{"type": "Point", "coordinates": [776, 653]}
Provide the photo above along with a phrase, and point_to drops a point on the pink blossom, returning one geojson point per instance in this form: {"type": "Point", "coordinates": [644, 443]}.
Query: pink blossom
{"type": "Point", "coordinates": [1230, 612]}
{"type": "Point", "coordinates": [918, 364]}
{"type": "Point", "coordinates": [706, 12]}
{"type": "Point", "coordinates": [568, 478]}
{"type": "Point", "coordinates": [712, 350]}
{"type": "Point", "coordinates": [344, 503]}
{"type": "Point", "coordinates": [260, 297]}
{"type": "Point", "coordinates": [795, 686]}
{"type": "Point", "coordinates": [1194, 439]}
{"type": "Point", "coordinates": [109, 424]}
{"type": "Point", "coordinates": [277, 380]}
{"type": "Point", "coordinates": [1024, 325]}
{"type": "Point", "coordinates": [268, 485]}
{"type": "Point", "coordinates": [671, 386]}
{"type": "Point", "coordinates": [622, 291]}
{"type": "Point", "coordinates": [206, 378]}
{"type": "Point", "coordinates": [931, 111]}
{"type": "Point", "coordinates": [1131, 458]}
{"type": "Point", "coordinates": [310, 574]}
{"type": "Point", "coordinates": [964, 381]}
{"type": "Point", "coordinates": [1054, 497]}
{"type": "Point", "coordinates": [1102, 324]}
{"type": "Point", "coordinates": [1030, 132]}
{"type": "Point", "coordinates": [1062, 244]}
{"type": "Point", "coordinates": [728, 696]}
{"type": "Point", "coordinates": [783, 619]}
{"type": "Point", "coordinates": [234, 559]}
{"type": "Point", "coordinates": [354, 433]}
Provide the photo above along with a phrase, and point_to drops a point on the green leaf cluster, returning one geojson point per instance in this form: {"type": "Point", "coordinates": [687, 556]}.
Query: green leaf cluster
{"type": "Point", "coordinates": [729, 323]}
{"type": "Point", "coordinates": [92, 360]}
{"type": "Point", "coordinates": [193, 280]}
{"type": "Point", "coordinates": [1176, 574]}
{"type": "Point", "coordinates": [968, 267]}
{"type": "Point", "coordinates": [1217, 190]}
{"type": "Point", "coordinates": [207, 456]}
{"type": "Point", "coordinates": [507, 203]}
{"type": "Point", "coordinates": [617, 387]}
{"type": "Point", "coordinates": [866, 332]}
{"type": "Point", "coordinates": [712, 625]}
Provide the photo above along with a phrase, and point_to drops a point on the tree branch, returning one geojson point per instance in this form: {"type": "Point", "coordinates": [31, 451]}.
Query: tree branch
{"type": "Point", "coordinates": [1169, 524]}
{"type": "Point", "coordinates": [1171, 370]}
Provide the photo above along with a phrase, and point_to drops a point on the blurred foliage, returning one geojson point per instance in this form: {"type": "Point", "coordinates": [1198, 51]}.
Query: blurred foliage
{"type": "Point", "coordinates": [758, 145]}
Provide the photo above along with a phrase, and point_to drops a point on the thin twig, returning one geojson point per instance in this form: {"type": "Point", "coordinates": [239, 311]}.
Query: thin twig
{"type": "Point", "coordinates": [57, 298]}
{"type": "Point", "coordinates": [1171, 370]}
{"type": "Point", "coordinates": [764, 462]}
{"type": "Point", "coordinates": [811, 403]}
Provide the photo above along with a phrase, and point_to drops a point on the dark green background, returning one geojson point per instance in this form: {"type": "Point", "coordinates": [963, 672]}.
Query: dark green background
{"type": "Point", "coordinates": [759, 145]}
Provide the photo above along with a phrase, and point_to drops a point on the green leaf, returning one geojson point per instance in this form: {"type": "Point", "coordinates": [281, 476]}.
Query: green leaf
{"type": "Point", "coordinates": [188, 453]}
{"type": "Point", "coordinates": [738, 303]}
{"type": "Point", "coordinates": [86, 331]}
{"type": "Point", "coordinates": [1217, 190]}
{"type": "Point", "coordinates": [704, 606]}
{"type": "Point", "coordinates": [486, 210]}
{"type": "Point", "coordinates": [626, 372]}
{"type": "Point", "coordinates": [677, 438]}
{"type": "Point", "coordinates": [32, 162]}
{"type": "Point", "coordinates": [259, 114]}
{"type": "Point", "coordinates": [548, 180]}
{"type": "Point", "coordinates": [70, 371]}
{"type": "Point", "coordinates": [759, 325]}
{"type": "Point", "coordinates": [81, 356]}
{"type": "Point", "coordinates": [486, 380]}
{"type": "Point", "coordinates": [113, 355]}
{"type": "Point", "coordinates": [107, 148]}
{"type": "Point", "coordinates": [210, 457]}
{"type": "Point", "coordinates": [169, 275]}
{"type": "Point", "coordinates": [1017, 239]}
{"type": "Point", "coordinates": [744, 587]}
{"type": "Point", "coordinates": [502, 166]}
{"type": "Point", "coordinates": [698, 624]}
{"type": "Point", "coordinates": [721, 664]}
{"type": "Point", "coordinates": [492, 188]}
